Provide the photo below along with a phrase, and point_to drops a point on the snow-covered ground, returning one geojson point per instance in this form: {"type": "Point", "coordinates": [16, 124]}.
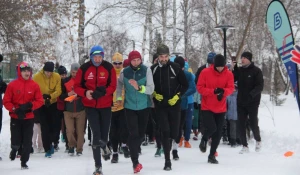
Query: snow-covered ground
{"type": "Point", "coordinates": [277, 137]}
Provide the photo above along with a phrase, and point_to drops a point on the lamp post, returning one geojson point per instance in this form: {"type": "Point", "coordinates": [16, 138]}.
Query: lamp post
{"type": "Point", "coordinates": [224, 28]}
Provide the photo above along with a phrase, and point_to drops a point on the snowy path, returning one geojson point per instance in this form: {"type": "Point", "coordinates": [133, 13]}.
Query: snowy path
{"type": "Point", "coordinates": [270, 161]}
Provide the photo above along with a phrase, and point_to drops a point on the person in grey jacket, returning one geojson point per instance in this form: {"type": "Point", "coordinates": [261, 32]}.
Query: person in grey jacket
{"type": "Point", "coordinates": [231, 114]}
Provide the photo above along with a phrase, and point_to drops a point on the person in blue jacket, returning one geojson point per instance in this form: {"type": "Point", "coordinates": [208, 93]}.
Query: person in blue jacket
{"type": "Point", "coordinates": [184, 104]}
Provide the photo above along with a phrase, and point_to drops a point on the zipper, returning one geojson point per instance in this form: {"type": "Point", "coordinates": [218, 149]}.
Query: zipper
{"type": "Point", "coordinates": [96, 85]}
{"type": "Point", "coordinates": [135, 91]}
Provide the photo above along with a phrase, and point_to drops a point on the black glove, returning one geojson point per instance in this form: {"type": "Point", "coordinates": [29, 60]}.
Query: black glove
{"type": "Point", "coordinates": [220, 96]}
{"type": "Point", "coordinates": [99, 92]}
{"type": "Point", "coordinates": [47, 103]}
{"type": "Point", "coordinates": [219, 90]}
{"type": "Point", "coordinates": [26, 106]}
{"type": "Point", "coordinates": [20, 113]}
{"type": "Point", "coordinates": [46, 96]}
{"type": "Point", "coordinates": [196, 106]}
{"type": "Point", "coordinates": [101, 89]}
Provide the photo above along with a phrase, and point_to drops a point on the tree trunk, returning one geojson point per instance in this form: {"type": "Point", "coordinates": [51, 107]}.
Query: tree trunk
{"type": "Point", "coordinates": [164, 19]}
{"type": "Point", "coordinates": [185, 28]}
{"type": "Point", "coordinates": [273, 66]}
{"type": "Point", "coordinates": [174, 25]}
{"type": "Point", "coordinates": [144, 37]}
{"type": "Point", "coordinates": [247, 29]}
{"type": "Point", "coordinates": [81, 28]}
{"type": "Point", "coordinates": [150, 29]}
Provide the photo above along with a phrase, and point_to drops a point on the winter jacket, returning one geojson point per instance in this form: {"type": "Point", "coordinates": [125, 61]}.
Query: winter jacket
{"type": "Point", "coordinates": [232, 106]}
{"type": "Point", "coordinates": [115, 106]}
{"type": "Point", "coordinates": [209, 80]}
{"type": "Point", "coordinates": [197, 98]}
{"type": "Point", "coordinates": [169, 80]}
{"type": "Point", "coordinates": [76, 105]}
{"type": "Point", "coordinates": [199, 70]}
{"type": "Point", "coordinates": [50, 86]}
{"type": "Point", "coordinates": [60, 102]}
{"type": "Point", "coordinates": [103, 75]}
{"type": "Point", "coordinates": [190, 91]}
{"type": "Point", "coordinates": [3, 86]}
{"type": "Point", "coordinates": [250, 85]}
{"type": "Point", "coordinates": [191, 97]}
{"type": "Point", "coordinates": [136, 100]}
{"type": "Point", "coordinates": [22, 91]}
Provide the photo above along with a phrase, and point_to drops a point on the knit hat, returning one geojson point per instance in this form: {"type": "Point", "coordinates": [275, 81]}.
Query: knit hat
{"type": "Point", "coordinates": [117, 58]}
{"type": "Point", "coordinates": [155, 56]}
{"type": "Point", "coordinates": [228, 65]}
{"type": "Point", "coordinates": [247, 55]}
{"type": "Point", "coordinates": [96, 50]}
{"type": "Point", "coordinates": [61, 70]}
{"type": "Point", "coordinates": [210, 57]}
{"type": "Point", "coordinates": [133, 55]}
{"type": "Point", "coordinates": [163, 49]}
{"type": "Point", "coordinates": [219, 61]}
{"type": "Point", "coordinates": [49, 66]}
{"type": "Point", "coordinates": [179, 60]}
{"type": "Point", "coordinates": [126, 63]}
{"type": "Point", "coordinates": [75, 66]}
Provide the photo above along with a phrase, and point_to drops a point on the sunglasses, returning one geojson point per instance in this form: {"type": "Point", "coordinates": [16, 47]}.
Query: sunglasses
{"type": "Point", "coordinates": [117, 63]}
{"type": "Point", "coordinates": [25, 66]}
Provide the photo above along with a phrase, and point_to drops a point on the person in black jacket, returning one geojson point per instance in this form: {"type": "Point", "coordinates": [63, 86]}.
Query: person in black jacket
{"type": "Point", "coordinates": [74, 113]}
{"type": "Point", "coordinates": [170, 83]}
{"type": "Point", "coordinates": [3, 86]}
{"type": "Point", "coordinates": [250, 86]}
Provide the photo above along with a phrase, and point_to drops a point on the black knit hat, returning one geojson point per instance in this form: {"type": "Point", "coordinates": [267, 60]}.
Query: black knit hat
{"type": "Point", "coordinates": [219, 61]}
{"type": "Point", "coordinates": [155, 56]}
{"type": "Point", "coordinates": [49, 66]}
{"type": "Point", "coordinates": [163, 49]}
{"type": "Point", "coordinates": [61, 70]}
{"type": "Point", "coordinates": [247, 55]}
{"type": "Point", "coordinates": [179, 60]}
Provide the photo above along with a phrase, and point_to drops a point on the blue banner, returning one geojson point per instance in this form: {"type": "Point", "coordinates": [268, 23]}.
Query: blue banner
{"type": "Point", "coordinates": [280, 27]}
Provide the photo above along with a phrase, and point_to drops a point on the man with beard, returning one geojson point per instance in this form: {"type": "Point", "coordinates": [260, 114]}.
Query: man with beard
{"type": "Point", "coordinates": [170, 84]}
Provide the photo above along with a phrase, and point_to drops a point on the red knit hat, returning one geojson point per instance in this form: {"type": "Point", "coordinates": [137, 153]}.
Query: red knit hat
{"type": "Point", "coordinates": [126, 63]}
{"type": "Point", "coordinates": [133, 55]}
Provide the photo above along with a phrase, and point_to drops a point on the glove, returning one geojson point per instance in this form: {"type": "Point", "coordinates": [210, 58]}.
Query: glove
{"type": "Point", "coordinates": [196, 105]}
{"type": "Point", "coordinates": [47, 103]}
{"type": "Point", "coordinates": [218, 91]}
{"type": "Point", "coordinates": [26, 106]}
{"type": "Point", "coordinates": [20, 113]}
{"type": "Point", "coordinates": [173, 100]}
{"type": "Point", "coordinates": [46, 96]}
{"type": "Point", "coordinates": [99, 92]}
{"type": "Point", "coordinates": [101, 89]}
{"type": "Point", "coordinates": [158, 97]}
{"type": "Point", "coordinates": [220, 96]}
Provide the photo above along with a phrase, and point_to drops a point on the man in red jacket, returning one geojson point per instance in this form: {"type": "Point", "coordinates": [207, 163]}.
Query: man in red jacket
{"type": "Point", "coordinates": [96, 82]}
{"type": "Point", "coordinates": [22, 96]}
{"type": "Point", "coordinates": [215, 84]}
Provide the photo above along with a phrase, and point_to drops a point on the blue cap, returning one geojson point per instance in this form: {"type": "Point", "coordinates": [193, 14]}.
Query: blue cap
{"type": "Point", "coordinates": [210, 57]}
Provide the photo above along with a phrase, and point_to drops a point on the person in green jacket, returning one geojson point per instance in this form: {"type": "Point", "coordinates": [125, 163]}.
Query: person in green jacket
{"type": "Point", "coordinates": [137, 81]}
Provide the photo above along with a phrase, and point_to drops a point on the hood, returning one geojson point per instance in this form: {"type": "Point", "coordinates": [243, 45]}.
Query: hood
{"type": "Point", "coordinates": [18, 69]}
